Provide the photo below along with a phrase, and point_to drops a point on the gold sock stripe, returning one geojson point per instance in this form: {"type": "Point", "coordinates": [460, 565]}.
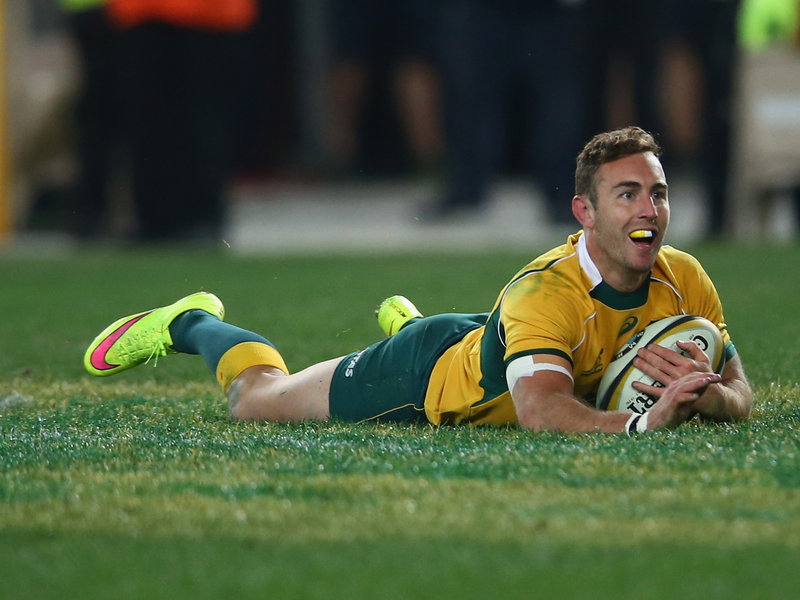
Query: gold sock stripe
{"type": "Point", "coordinates": [245, 355]}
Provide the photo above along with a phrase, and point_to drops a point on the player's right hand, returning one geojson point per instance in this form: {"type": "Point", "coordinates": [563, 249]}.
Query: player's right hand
{"type": "Point", "coordinates": [676, 403]}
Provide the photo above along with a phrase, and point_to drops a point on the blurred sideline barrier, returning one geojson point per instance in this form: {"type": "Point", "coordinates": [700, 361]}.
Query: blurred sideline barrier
{"type": "Point", "coordinates": [767, 138]}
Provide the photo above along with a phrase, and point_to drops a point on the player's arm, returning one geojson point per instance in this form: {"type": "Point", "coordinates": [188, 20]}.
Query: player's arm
{"type": "Point", "coordinates": [545, 401]}
{"type": "Point", "coordinates": [730, 399]}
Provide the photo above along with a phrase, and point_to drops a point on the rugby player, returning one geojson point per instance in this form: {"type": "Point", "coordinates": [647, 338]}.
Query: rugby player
{"type": "Point", "coordinates": [535, 359]}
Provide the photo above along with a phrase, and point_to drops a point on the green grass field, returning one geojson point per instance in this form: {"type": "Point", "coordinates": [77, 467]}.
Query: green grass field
{"type": "Point", "coordinates": [139, 486]}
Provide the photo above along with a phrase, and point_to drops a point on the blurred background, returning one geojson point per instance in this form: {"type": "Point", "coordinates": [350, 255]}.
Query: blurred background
{"type": "Point", "coordinates": [277, 126]}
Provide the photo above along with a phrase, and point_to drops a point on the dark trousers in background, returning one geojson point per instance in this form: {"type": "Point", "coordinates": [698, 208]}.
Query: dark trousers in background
{"type": "Point", "coordinates": [497, 58]}
{"type": "Point", "coordinates": [181, 92]}
{"type": "Point", "coordinates": [717, 47]}
{"type": "Point", "coordinates": [98, 118]}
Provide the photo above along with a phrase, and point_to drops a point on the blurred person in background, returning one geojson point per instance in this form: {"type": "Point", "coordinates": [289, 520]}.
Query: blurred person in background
{"type": "Point", "coordinates": [715, 35]}
{"type": "Point", "coordinates": [384, 45]}
{"type": "Point", "coordinates": [504, 61]}
{"type": "Point", "coordinates": [623, 52]}
{"type": "Point", "coordinates": [181, 73]}
{"type": "Point", "coordinates": [97, 112]}
{"type": "Point", "coordinates": [669, 66]}
{"type": "Point", "coordinates": [699, 66]}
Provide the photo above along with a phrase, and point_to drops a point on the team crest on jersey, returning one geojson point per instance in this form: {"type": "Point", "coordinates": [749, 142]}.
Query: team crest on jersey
{"type": "Point", "coordinates": [597, 367]}
{"type": "Point", "coordinates": [628, 325]}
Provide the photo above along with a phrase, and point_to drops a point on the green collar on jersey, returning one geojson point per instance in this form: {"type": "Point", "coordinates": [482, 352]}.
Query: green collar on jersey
{"type": "Point", "coordinates": [621, 300]}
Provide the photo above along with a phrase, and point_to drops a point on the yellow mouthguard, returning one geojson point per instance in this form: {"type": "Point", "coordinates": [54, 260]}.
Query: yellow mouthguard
{"type": "Point", "coordinates": [641, 234]}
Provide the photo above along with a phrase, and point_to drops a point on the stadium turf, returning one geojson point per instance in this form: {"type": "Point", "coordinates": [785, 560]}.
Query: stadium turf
{"type": "Point", "coordinates": [139, 486]}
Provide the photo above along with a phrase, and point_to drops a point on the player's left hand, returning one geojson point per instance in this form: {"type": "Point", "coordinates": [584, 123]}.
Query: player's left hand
{"type": "Point", "coordinates": [665, 365]}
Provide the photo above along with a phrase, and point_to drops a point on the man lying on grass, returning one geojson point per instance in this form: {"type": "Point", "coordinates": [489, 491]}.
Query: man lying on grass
{"type": "Point", "coordinates": [535, 359]}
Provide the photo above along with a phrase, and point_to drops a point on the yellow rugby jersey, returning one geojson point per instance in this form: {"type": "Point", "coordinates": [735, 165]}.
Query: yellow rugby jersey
{"type": "Point", "coordinates": [559, 304]}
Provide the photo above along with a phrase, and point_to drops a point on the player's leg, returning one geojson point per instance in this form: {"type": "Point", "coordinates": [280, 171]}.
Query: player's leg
{"type": "Point", "coordinates": [264, 393]}
{"type": "Point", "coordinates": [252, 372]}
{"type": "Point", "coordinates": [396, 312]}
{"type": "Point", "coordinates": [389, 380]}
{"type": "Point", "coordinates": [263, 388]}
{"type": "Point", "coordinates": [142, 337]}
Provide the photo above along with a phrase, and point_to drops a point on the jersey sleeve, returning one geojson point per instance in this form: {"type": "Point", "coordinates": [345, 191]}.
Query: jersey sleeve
{"type": "Point", "coordinates": [538, 316]}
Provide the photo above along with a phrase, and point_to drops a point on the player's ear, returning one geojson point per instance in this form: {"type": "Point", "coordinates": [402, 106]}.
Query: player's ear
{"type": "Point", "coordinates": [583, 209]}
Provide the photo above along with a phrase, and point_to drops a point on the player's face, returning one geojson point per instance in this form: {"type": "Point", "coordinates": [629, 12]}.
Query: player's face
{"type": "Point", "coordinates": [625, 226]}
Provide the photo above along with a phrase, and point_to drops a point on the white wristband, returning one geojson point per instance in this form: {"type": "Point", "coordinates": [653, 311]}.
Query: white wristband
{"type": "Point", "coordinates": [636, 424]}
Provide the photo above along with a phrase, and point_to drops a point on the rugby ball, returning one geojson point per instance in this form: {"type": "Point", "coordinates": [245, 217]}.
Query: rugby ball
{"type": "Point", "coordinates": [616, 391]}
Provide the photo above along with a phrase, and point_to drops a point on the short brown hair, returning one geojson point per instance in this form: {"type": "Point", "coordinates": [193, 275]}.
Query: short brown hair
{"type": "Point", "coordinates": [608, 147]}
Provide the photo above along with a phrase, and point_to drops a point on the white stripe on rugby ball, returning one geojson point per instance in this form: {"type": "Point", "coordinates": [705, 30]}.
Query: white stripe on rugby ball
{"type": "Point", "coordinates": [616, 391]}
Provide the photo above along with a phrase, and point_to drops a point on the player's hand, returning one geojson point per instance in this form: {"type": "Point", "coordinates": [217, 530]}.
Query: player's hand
{"type": "Point", "coordinates": [665, 365]}
{"type": "Point", "coordinates": [676, 403]}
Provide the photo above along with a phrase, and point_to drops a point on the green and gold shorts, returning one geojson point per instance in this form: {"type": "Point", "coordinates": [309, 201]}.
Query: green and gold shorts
{"type": "Point", "coordinates": [388, 380]}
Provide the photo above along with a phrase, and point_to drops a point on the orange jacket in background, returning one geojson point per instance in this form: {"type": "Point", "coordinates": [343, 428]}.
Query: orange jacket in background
{"type": "Point", "coordinates": [220, 15]}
